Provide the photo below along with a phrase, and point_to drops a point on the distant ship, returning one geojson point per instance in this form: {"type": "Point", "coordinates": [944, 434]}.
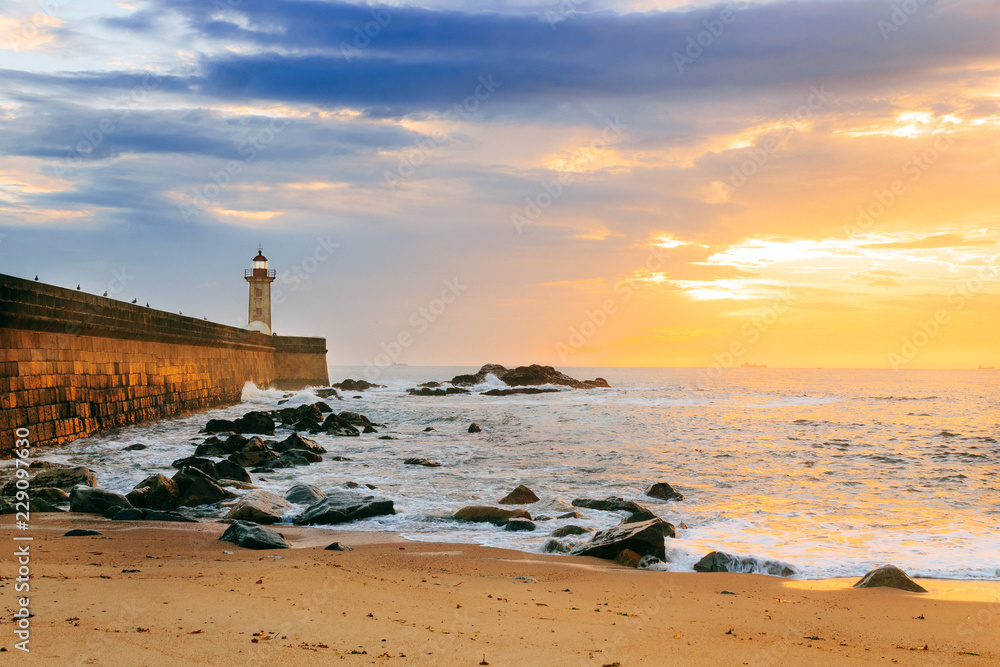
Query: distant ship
{"type": "Point", "coordinates": [984, 368]}
{"type": "Point", "coordinates": [396, 363]}
{"type": "Point", "coordinates": [747, 364]}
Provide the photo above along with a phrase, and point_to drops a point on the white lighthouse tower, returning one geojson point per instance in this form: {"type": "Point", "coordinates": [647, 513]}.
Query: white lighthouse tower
{"type": "Point", "coordinates": [260, 279]}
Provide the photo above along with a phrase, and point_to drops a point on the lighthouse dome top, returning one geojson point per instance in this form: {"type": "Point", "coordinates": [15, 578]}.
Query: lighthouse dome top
{"type": "Point", "coordinates": [260, 257]}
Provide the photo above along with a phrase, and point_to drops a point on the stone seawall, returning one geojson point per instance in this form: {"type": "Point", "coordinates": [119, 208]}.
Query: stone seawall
{"type": "Point", "coordinates": [72, 364]}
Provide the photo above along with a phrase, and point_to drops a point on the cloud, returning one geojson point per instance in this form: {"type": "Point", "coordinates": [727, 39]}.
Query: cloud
{"type": "Point", "coordinates": [934, 242]}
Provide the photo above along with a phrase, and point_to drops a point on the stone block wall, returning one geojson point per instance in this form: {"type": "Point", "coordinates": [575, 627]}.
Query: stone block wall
{"type": "Point", "coordinates": [72, 364]}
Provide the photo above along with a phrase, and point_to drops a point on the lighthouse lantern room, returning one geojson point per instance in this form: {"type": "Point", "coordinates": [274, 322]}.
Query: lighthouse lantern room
{"type": "Point", "coordinates": [260, 279]}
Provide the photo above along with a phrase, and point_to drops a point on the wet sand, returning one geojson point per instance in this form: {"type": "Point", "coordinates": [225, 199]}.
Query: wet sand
{"type": "Point", "coordinates": [168, 594]}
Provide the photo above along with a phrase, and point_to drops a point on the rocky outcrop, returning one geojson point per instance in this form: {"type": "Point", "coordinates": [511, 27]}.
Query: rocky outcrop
{"type": "Point", "coordinates": [296, 441]}
{"type": "Point", "coordinates": [426, 391]}
{"type": "Point", "coordinates": [328, 392]}
{"type": "Point", "coordinates": [304, 494]}
{"type": "Point", "coordinates": [572, 530]}
{"type": "Point", "coordinates": [92, 500]}
{"type": "Point", "coordinates": [611, 504]}
{"type": "Point", "coordinates": [253, 453]}
{"type": "Point", "coordinates": [344, 506]}
{"type": "Point", "coordinates": [219, 426]}
{"type": "Point", "coordinates": [196, 488]}
{"type": "Point", "coordinates": [527, 375]}
{"type": "Point", "coordinates": [334, 424]}
{"type": "Point", "coordinates": [519, 525]}
{"type": "Point", "coordinates": [141, 514]}
{"type": "Point", "coordinates": [156, 492]}
{"type": "Point", "coordinates": [252, 536]}
{"type": "Point", "coordinates": [259, 507]}
{"type": "Point", "coordinates": [889, 576]}
{"type": "Point", "coordinates": [522, 495]}
{"type": "Point", "coordinates": [296, 457]}
{"type": "Point", "coordinates": [356, 385]}
{"type": "Point", "coordinates": [494, 515]}
{"type": "Point", "coordinates": [718, 561]}
{"type": "Point", "coordinates": [57, 477]}
{"type": "Point", "coordinates": [663, 491]}
{"type": "Point", "coordinates": [475, 428]}
{"type": "Point", "coordinates": [645, 539]}
{"type": "Point", "coordinates": [255, 422]}
{"type": "Point", "coordinates": [519, 390]}
{"type": "Point", "coordinates": [421, 462]}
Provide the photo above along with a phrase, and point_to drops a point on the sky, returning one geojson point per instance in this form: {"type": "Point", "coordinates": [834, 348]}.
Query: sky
{"type": "Point", "coordinates": [575, 183]}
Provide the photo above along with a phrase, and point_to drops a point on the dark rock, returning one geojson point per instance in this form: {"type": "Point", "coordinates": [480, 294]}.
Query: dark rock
{"type": "Point", "coordinates": [528, 375]}
{"type": "Point", "coordinates": [356, 385]}
{"type": "Point", "coordinates": [197, 488]}
{"type": "Point", "coordinates": [640, 517]}
{"type": "Point", "coordinates": [304, 494]}
{"type": "Point", "coordinates": [210, 450]}
{"type": "Point", "coordinates": [50, 494]}
{"type": "Point", "coordinates": [369, 429]}
{"type": "Point", "coordinates": [334, 424]}
{"type": "Point", "coordinates": [42, 506]}
{"type": "Point", "coordinates": [226, 469]}
{"type": "Point", "coordinates": [628, 558]}
{"type": "Point", "coordinates": [255, 422]}
{"type": "Point", "coordinates": [207, 466]}
{"type": "Point", "coordinates": [522, 495]}
{"type": "Point", "coordinates": [889, 576]}
{"type": "Point", "coordinates": [7, 506]}
{"type": "Point", "coordinates": [80, 532]}
{"type": "Point", "coordinates": [718, 561]}
{"type": "Point", "coordinates": [386, 437]}
{"type": "Point", "coordinates": [157, 515]}
{"type": "Point", "coordinates": [296, 457]}
{"type": "Point", "coordinates": [480, 376]}
{"type": "Point", "coordinates": [344, 506]}
{"type": "Point", "coordinates": [495, 515]}
{"type": "Point", "coordinates": [253, 536]}
{"type": "Point", "coordinates": [59, 478]}
{"type": "Point", "coordinates": [134, 448]}
{"type": "Point", "coordinates": [428, 429]}
{"type": "Point", "coordinates": [253, 453]}
{"type": "Point", "coordinates": [322, 407]}
{"type": "Point", "coordinates": [326, 393]}
{"type": "Point", "coordinates": [572, 530]}
{"type": "Point", "coordinates": [426, 391]}
{"type": "Point", "coordinates": [475, 428]}
{"type": "Point", "coordinates": [430, 385]}
{"type": "Point", "coordinates": [95, 501]}
{"type": "Point", "coordinates": [570, 515]}
{"type": "Point", "coordinates": [643, 538]}
{"type": "Point", "coordinates": [296, 441]}
{"type": "Point", "coordinates": [555, 546]}
{"type": "Point", "coordinates": [519, 525]}
{"type": "Point", "coordinates": [421, 462]}
{"type": "Point", "coordinates": [129, 514]}
{"type": "Point", "coordinates": [339, 458]}
{"type": "Point", "coordinates": [337, 546]}
{"type": "Point", "coordinates": [157, 492]}
{"type": "Point", "coordinates": [611, 504]}
{"type": "Point", "coordinates": [259, 507]}
{"type": "Point", "coordinates": [637, 517]}
{"type": "Point", "coordinates": [519, 390]}
{"type": "Point", "coordinates": [219, 426]}
{"type": "Point", "coordinates": [663, 491]}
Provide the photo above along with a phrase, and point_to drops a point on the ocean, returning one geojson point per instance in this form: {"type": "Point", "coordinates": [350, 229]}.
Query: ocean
{"type": "Point", "coordinates": [833, 472]}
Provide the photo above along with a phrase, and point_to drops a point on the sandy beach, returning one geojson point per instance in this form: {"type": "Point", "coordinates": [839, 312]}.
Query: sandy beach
{"type": "Point", "coordinates": [161, 593]}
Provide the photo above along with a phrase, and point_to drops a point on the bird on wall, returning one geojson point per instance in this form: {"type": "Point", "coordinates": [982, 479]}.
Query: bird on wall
{"type": "Point", "coordinates": [105, 292]}
{"type": "Point", "coordinates": [36, 276]}
{"type": "Point", "coordinates": [78, 287]}
{"type": "Point", "coordinates": [147, 304]}
{"type": "Point", "coordinates": [134, 300]}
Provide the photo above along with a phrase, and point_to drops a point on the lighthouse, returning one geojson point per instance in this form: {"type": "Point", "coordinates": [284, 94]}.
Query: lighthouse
{"type": "Point", "coordinates": [260, 279]}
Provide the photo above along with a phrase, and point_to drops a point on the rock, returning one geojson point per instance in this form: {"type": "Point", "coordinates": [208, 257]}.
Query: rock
{"type": "Point", "coordinates": [157, 492]}
{"type": "Point", "coordinates": [572, 530]}
{"type": "Point", "coordinates": [135, 448]}
{"type": "Point", "coordinates": [80, 532]}
{"type": "Point", "coordinates": [207, 466]}
{"type": "Point", "coordinates": [475, 428]}
{"type": "Point", "coordinates": [527, 375]}
{"type": "Point", "coordinates": [235, 484]}
{"type": "Point", "coordinates": [304, 494]}
{"type": "Point", "coordinates": [344, 506]}
{"type": "Point", "coordinates": [421, 462]}
{"type": "Point", "coordinates": [322, 407]}
{"type": "Point", "coordinates": [495, 515]}
{"type": "Point", "coordinates": [42, 506]}
{"type": "Point", "coordinates": [253, 536]}
{"type": "Point", "coordinates": [210, 450]}
{"type": "Point", "coordinates": [50, 494]}
{"type": "Point", "coordinates": [386, 437]}
{"type": "Point", "coordinates": [519, 525]}
{"type": "Point", "coordinates": [428, 429]}
{"type": "Point", "coordinates": [7, 507]}
{"type": "Point", "coordinates": [253, 453]}
{"type": "Point", "coordinates": [430, 385]}
{"type": "Point", "coordinates": [643, 538]}
{"type": "Point", "coordinates": [555, 546]}
{"type": "Point", "coordinates": [137, 514]}
{"type": "Point", "coordinates": [197, 488]}
{"type": "Point", "coordinates": [519, 390]}
{"type": "Point", "coordinates": [334, 424]}
{"type": "Point", "coordinates": [628, 558]}
{"type": "Point", "coordinates": [128, 514]}
{"type": "Point", "coordinates": [296, 441]}
{"type": "Point", "coordinates": [296, 457]}
{"type": "Point", "coordinates": [611, 504]}
{"type": "Point", "coordinates": [226, 469]}
{"type": "Point", "coordinates": [426, 391]}
{"type": "Point", "coordinates": [570, 515]}
{"type": "Point", "coordinates": [326, 393]}
{"type": "Point", "coordinates": [304, 417]}
{"type": "Point", "coordinates": [337, 546]}
{"type": "Point", "coordinates": [219, 426]}
{"type": "Point", "coordinates": [255, 422]}
{"type": "Point", "coordinates": [340, 458]}
{"type": "Point", "coordinates": [356, 419]}
{"type": "Point", "coordinates": [663, 491]}
{"type": "Point", "coordinates": [59, 478]}
{"type": "Point", "coordinates": [522, 495]}
{"type": "Point", "coordinates": [92, 500]}
{"type": "Point", "coordinates": [356, 385]}
{"type": "Point", "coordinates": [259, 507]}
{"type": "Point", "coordinates": [889, 576]}
{"type": "Point", "coordinates": [718, 561]}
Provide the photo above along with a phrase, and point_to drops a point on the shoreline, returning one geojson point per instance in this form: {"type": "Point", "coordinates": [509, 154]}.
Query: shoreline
{"type": "Point", "coordinates": [169, 592]}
